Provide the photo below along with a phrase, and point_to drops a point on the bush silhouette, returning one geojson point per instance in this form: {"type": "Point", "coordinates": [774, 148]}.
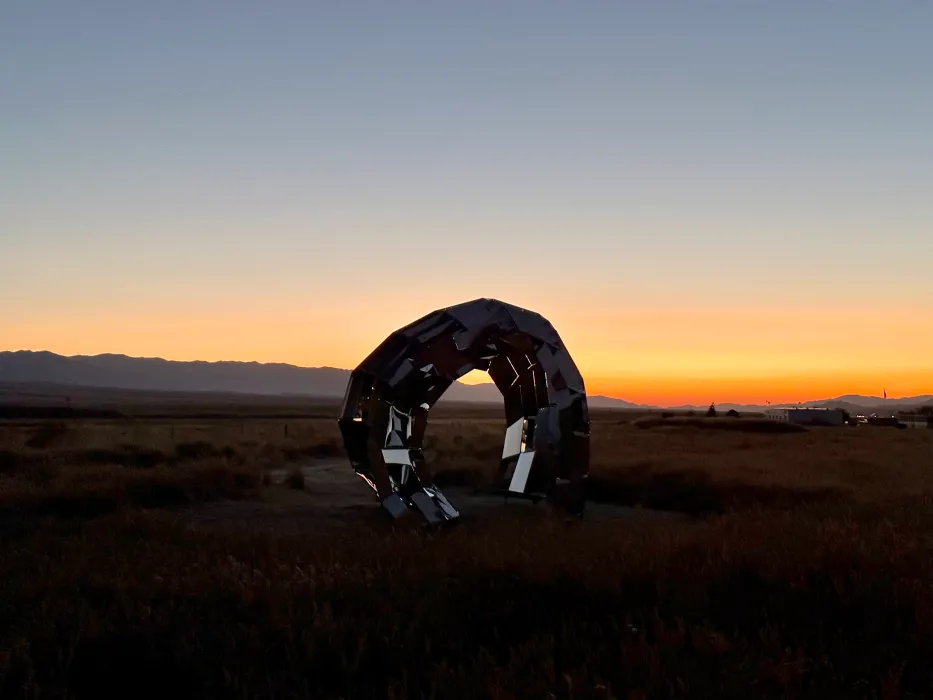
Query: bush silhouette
{"type": "Point", "coordinates": [295, 479]}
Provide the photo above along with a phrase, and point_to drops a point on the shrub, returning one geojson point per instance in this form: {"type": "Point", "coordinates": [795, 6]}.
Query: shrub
{"type": "Point", "coordinates": [198, 484]}
{"type": "Point", "coordinates": [122, 455]}
{"type": "Point", "coordinates": [195, 451]}
{"type": "Point", "coordinates": [488, 452]}
{"type": "Point", "coordinates": [694, 491]}
{"type": "Point", "coordinates": [156, 488]}
{"type": "Point", "coordinates": [46, 435]}
{"type": "Point", "coordinates": [10, 461]}
{"type": "Point", "coordinates": [684, 492]}
{"type": "Point", "coordinates": [295, 479]}
{"type": "Point", "coordinates": [317, 450]}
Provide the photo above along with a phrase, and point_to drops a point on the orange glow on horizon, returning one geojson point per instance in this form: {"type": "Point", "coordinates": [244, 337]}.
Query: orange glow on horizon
{"type": "Point", "coordinates": [678, 391]}
{"type": "Point", "coordinates": [651, 356]}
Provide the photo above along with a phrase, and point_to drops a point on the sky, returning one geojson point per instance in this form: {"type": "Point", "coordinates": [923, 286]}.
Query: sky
{"type": "Point", "coordinates": [724, 201]}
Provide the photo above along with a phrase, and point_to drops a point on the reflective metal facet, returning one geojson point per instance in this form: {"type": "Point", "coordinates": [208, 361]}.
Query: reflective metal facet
{"type": "Point", "coordinates": [384, 414]}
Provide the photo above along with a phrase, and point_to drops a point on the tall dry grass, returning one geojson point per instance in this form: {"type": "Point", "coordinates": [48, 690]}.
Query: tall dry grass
{"type": "Point", "coordinates": [89, 468]}
{"type": "Point", "coordinates": [675, 467]}
{"type": "Point", "coordinates": [811, 577]}
{"type": "Point", "coordinates": [802, 603]}
{"type": "Point", "coordinates": [701, 471]}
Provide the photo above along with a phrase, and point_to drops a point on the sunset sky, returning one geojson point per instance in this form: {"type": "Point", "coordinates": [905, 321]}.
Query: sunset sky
{"type": "Point", "coordinates": [727, 201]}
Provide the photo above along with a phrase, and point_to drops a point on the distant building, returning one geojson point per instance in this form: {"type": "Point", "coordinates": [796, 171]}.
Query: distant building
{"type": "Point", "coordinates": [807, 416]}
{"type": "Point", "coordinates": [915, 420]}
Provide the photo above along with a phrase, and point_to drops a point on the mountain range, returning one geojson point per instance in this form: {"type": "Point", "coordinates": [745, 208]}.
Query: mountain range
{"type": "Point", "coordinates": [155, 374]}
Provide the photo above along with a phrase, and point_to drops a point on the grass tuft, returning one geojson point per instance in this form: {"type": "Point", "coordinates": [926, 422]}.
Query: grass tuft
{"type": "Point", "coordinates": [47, 435]}
{"type": "Point", "coordinates": [316, 450]}
{"type": "Point", "coordinates": [106, 492]}
{"type": "Point", "coordinates": [11, 461]}
{"type": "Point", "coordinates": [295, 479]}
{"type": "Point", "coordinates": [123, 455]}
{"type": "Point", "coordinates": [194, 451]}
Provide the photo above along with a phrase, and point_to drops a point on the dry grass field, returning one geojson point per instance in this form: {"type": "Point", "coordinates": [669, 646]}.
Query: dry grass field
{"type": "Point", "coordinates": [802, 565]}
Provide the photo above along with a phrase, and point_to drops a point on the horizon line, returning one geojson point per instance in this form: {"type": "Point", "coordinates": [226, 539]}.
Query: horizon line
{"type": "Point", "coordinates": [779, 404]}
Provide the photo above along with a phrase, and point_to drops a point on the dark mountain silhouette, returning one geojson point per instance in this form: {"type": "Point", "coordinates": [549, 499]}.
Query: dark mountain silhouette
{"type": "Point", "coordinates": [858, 401]}
{"type": "Point", "coordinates": [155, 374]}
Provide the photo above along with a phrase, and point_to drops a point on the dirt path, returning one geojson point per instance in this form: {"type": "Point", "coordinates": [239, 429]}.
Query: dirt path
{"type": "Point", "coordinates": [334, 495]}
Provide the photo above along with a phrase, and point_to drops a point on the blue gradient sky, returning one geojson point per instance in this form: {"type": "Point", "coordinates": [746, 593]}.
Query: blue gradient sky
{"type": "Point", "coordinates": [234, 180]}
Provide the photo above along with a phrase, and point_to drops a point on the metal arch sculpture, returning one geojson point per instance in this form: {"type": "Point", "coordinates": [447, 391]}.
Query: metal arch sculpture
{"type": "Point", "coordinates": [384, 413]}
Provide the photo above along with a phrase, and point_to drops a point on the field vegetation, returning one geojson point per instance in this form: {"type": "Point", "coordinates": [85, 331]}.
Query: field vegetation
{"type": "Point", "coordinates": [802, 566]}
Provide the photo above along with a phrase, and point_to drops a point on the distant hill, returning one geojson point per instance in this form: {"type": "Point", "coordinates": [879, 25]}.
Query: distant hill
{"type": "Point", "coordinates": [156, 374]}
{"type": "Point", "coordinates": [874, 401]}
{"type": "Point", "coordinates": [609, 402]}
{"type": "Point", "coordinates": [853, 403]}
{"type": "Point", "coordinates": [867, 405]}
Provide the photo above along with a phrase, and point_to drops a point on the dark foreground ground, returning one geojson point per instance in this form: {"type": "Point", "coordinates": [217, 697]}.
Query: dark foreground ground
{"type": "Point", "coordinates": [205, 556]}
{"type": "Point", "coordinates": [333, 496]}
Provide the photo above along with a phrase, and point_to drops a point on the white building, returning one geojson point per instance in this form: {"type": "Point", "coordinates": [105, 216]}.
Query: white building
{"type": "Point", "coordinates": [802, 415]}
